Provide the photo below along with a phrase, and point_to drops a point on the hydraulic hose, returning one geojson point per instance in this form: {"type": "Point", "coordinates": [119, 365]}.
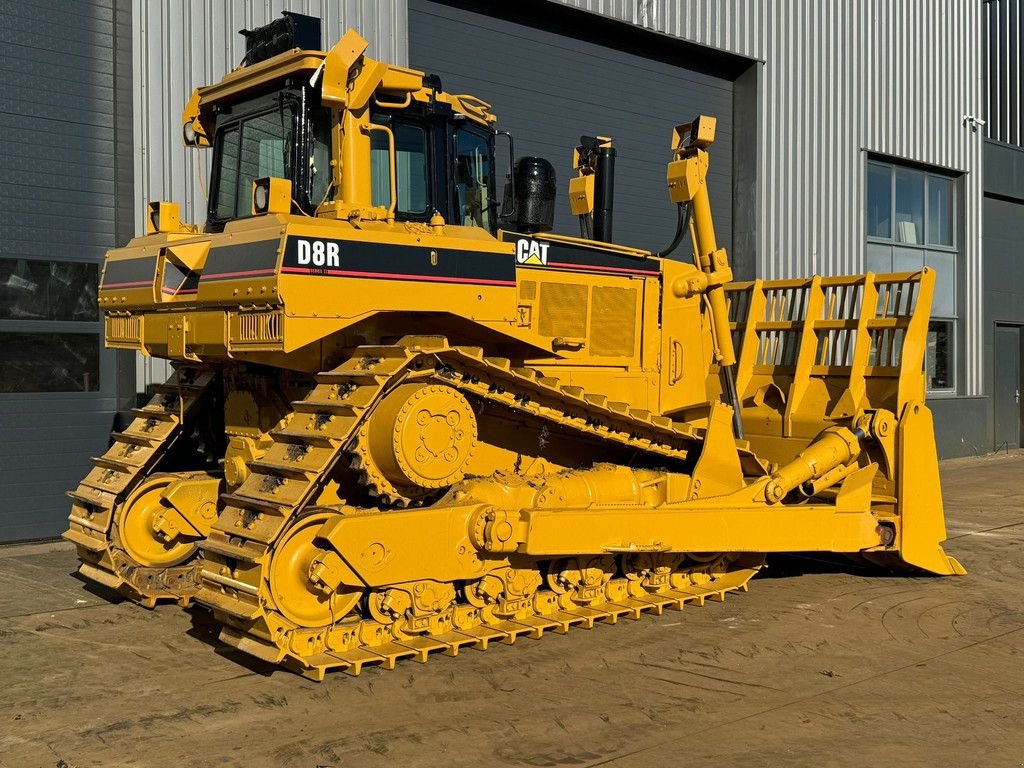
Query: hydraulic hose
{"type": "Point", "coordinates": [681, 228]}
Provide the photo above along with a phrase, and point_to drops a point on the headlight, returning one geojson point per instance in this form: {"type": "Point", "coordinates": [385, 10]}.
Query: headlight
{"type": "Point", "coordinates": [260, 197]}
{"type": "Point", "coordinates": [163, 217]}
{"type": "Point", "coordinates": [189, 134]}
{"type": "Point", "coordinates": [271, 195]}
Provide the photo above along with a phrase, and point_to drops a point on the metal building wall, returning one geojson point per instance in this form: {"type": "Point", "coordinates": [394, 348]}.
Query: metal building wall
{"type": "Point", "coordinates": [182, 45]}
{"type": "Point", "coordinates": [894, 77]}
{"type": "Point", "coordinates": [65, 166]}
{"type": "Point", "coordinates": [1004, 33]}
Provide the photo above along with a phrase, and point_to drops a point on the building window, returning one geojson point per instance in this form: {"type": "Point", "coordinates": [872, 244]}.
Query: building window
{"type": "Point", "coordinates": [911, 223]}
{"type": "Point", "coordinates": [49, 326]}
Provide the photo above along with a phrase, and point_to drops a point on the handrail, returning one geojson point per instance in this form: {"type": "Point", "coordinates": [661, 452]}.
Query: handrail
{"type": "Point", "coordinates": [393, 104]}
{"type": "Point", "coordinates": [392, 164]}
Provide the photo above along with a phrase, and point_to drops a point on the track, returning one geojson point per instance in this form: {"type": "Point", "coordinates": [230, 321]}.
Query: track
{"type": "Point", "coordinates": [103, 502]}
{"type": "Point", "coordinates": [368, 641]}
{"type": "Point", "coordinates": [264, 547]}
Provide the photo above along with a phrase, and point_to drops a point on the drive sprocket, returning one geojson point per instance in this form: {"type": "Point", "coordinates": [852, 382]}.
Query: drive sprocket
{"type": "Point", "coordinates": [420, 439]}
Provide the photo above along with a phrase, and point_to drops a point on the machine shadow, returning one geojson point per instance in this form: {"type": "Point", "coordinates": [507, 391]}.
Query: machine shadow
{"type": "Point", "coordinates": [98, 590]}
{"type": "Point", "coordinates": [786, 566]}
{"type": "Point", "coordinates": [206, 629]}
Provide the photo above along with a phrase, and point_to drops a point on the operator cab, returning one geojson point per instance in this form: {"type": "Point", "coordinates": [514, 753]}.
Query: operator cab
{"type": "Point", "coordinates": [276, 119]}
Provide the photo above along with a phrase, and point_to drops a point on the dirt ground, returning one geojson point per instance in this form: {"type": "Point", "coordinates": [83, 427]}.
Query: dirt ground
{"type": "Point", "coordinates": [821, 664]}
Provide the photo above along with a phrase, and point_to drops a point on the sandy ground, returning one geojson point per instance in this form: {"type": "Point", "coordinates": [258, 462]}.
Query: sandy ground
{"type": "Point", "coordinates": [821, 664]}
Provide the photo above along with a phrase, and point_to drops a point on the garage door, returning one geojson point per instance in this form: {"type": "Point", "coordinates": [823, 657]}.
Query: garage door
{"type": "Point", "coordinates": [553, 74]}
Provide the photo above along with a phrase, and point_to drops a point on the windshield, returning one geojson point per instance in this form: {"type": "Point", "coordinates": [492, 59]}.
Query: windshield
{"type": "Point", "coordinates": [248, 149]}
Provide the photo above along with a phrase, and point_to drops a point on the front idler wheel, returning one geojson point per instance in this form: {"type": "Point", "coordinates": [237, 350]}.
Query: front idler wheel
{"type": "Point", "coordinates": [143, 531]}
{"type": "Point", "coordinates": [298, 595]}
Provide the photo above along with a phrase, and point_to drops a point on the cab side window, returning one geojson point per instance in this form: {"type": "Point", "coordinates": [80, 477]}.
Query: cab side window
{"type": "Point", "coordinates": [410, 166]}
{"type": "Point", "coordinates": [473, 180]}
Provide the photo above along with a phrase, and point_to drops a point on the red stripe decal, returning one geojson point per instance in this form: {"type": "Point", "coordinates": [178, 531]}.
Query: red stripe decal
{"type": "Point", "coordinates": [227, 275]}
{"type": "Point", "coordinates": [172, 292]}
{"type": "Point", "coordinates": [393, 276]}
{"type": "Point", "coordinates": [135, 284]}
{"type": "Point", "coordinates": [593, 268]}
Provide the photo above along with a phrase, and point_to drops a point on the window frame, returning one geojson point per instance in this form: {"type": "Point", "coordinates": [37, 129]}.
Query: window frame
{"type": "Point", "coordinates": [891, 240]}
{"type": "Point", "coordinates": [107, 370]}
{"type": "Point", "coordinates": [394, 118]}
{"type": "Point", "coordinates": [453, 143]}
{"type": "Point", "coordinates": [954, 324]}
{"type": "Point", "coordinates": [924, 247]}
{"type": "Point", "coordinates": [229, 119]}
{"type": "Point", "coordinates": [309, 201]}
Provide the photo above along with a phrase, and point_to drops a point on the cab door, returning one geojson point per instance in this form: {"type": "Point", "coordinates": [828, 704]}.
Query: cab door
{"type": "Point", "coordinates": [473, 202]}
{"type": "Point", "coordinates": [414, 159]}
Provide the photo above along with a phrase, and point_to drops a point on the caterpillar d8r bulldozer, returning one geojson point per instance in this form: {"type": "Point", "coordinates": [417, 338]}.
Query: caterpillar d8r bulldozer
{"type": "Point", "coordinates": [405, 417]}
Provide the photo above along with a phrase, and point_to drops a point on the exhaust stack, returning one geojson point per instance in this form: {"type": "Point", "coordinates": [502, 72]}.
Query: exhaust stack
{"type": "Point", "coordinates": [592, 192]}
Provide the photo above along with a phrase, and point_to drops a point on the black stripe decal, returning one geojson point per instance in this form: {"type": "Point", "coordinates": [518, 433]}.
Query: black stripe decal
{"type": "Point", "coordinates": [129, 273]}
{"type": "Point", "coordinates": [383, 261]}
{"type": "Point", "coordinates": [538, 252]}
{"type": "Point", "coordinates": [234, 262]}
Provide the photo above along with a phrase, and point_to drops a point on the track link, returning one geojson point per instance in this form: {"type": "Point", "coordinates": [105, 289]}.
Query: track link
{"type": "Point", "coordinates": [366, 642]}
{"type": "Point", "coordinates": [97, 502]}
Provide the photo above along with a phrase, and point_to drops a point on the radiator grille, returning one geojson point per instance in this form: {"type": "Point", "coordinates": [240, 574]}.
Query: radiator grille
{"type": "Point", "coordinates": [124, 329]}
{"type": "Point", "coordinates": [563, 310]}
{"type": "Point", "coordinates": [613, 321]}
{"type": "Point", "coordinates": [257, 328]}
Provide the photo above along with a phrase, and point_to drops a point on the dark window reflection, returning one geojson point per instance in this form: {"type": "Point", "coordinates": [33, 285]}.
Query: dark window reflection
{"type": "Point", "coordinates": [48, 290]}
{"type": "Point", "coordinates": [49, 362]}
{"type": "Point", "coordinates": [879, 200]}
{"type": "Point", "coordinates": [939, 354]}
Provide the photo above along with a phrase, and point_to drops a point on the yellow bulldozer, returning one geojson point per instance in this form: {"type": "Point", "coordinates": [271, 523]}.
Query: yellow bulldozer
{"type": "Point", "coordinates": [406, 417]}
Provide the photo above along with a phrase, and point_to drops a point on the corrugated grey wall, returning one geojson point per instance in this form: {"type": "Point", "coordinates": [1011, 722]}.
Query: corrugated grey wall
{"type": "Point", "coordinates": [1004, 33]}
{"type": "Point", "coordinates": [841, 79]}
{"type": "Point", "coordinates": [184, 44]}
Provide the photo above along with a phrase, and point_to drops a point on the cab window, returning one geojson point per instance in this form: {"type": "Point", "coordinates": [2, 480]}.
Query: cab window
{"type": "Point", "coordinates": [320, 189]}
{"type": "Point", "coordinates": [410, 166]}
{"type": "Point", "coordinates": [473, 182]}
{"type": "Point", "coordinates": [250, 148]}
